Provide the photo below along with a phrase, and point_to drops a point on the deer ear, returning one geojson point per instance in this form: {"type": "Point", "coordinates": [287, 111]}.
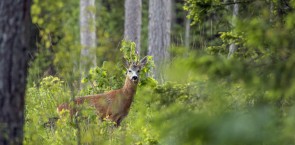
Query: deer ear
{"type": "Point", "coordinates": [143, 61]}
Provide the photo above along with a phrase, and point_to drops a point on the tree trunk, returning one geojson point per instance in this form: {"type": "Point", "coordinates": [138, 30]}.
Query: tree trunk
{"type": "Point", "coordinates": [14, 45]}
{"type": "Point", "coordinates": [159, 34]}
{"type": "Point", "coordinates": [187, 33]}
{"type": "Point", "coordinates": [133, 22]}
{"type": "Point", "coordinates": [227, 6]}
{"type": "Point", "coordinates": [271, 12]}
{"type": "Point", "coordinates": [233, 47]}
{"type": "Point", "coordinates": [87, 35]}
{"type": "Point", "coordinates": [280, 10]}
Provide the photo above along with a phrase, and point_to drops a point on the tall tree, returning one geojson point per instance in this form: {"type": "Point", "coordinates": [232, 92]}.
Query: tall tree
{"type": "Point", "coordinates": [133, 22]}
{"type": "Point", "coordinates": [159, 34]}
{"type": "Point", "coordinates": [233, 47]}
{"type": "Point", "coordinates": [87, 34]}
{"type": "Point", "coordinates": [271, 11]}
{"type": "Point", "coordinates": [14, 45]}
{"type": "Point", "coordinates": [187, 33]}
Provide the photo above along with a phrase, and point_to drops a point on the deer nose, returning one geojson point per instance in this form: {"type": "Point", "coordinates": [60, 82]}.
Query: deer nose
{"type": "Point", "coordinates": [134, 77]}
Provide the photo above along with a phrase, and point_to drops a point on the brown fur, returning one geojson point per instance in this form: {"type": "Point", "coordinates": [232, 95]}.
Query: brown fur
{"type": "Point", "coordinates": [113, 105]}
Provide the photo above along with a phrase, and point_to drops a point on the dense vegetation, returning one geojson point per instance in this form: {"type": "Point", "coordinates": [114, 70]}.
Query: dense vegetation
{"type": "Point", "coordinates": [207, 97]}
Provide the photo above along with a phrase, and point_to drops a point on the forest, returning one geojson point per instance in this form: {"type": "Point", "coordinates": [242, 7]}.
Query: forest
{"type": "Point", "coordinates": [194, 72]}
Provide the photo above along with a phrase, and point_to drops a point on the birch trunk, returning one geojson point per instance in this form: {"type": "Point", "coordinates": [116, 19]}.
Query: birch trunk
{"type": "Point", "coordinates": [14, 46]}
{"type": "Point", "coordinates": [187, 33]}
{"type": "Point", "coordinates": [233, 47]}
{"type": "Point", "coordinates": [159, 34]}
{"type": "Point", "coordinates": [87, 35]}
{"type": "Point", "coordinates": [133, 22]}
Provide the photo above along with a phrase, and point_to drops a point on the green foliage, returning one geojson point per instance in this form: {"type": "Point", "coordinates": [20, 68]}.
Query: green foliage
{"type": "Point", "coordinates": [58, 29]}
{"type": "Point", "coordinates": [249, 98]}
{"type": "Point", "coordinates": [128, 49]}
{"type": "Point", "coordinates": [43, 127]}
{"type": "Point", "coordinates": [198, 10]}
{"type": "Point", "coordinates": [59, 35]}
{"type": "Point", "coordinates": [233, 106]}
{"type": "Point", "coordinates": [184, 94]}
{"type": "Point", "coordinates": [42, 101]}
{"type": "Point", "coordinates": [41, 105]}
{"type": "Point", "coordinates": [108, 77]}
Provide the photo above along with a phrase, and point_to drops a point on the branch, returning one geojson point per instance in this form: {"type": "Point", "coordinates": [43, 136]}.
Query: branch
{"type": "Point", "coordinates": [232, 3]}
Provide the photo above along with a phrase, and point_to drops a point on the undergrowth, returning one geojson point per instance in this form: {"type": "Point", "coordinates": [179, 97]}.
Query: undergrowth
{"type": "Point", "coordinates": [209, 100]}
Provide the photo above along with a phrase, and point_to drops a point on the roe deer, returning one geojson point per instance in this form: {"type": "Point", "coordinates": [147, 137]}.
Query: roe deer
{"type": "Point", "coordinates": [114, 104]}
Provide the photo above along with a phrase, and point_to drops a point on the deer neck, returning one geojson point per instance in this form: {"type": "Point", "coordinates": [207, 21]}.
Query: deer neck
{"type": "Point", "coordinates": [129, 88]}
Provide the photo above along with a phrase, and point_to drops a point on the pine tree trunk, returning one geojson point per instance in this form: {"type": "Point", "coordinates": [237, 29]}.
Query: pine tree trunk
{"type": "Point", "coordinates": [14, 45]}
{"type": "Point", "coordinates": [159, 34]}
{"type": "Point", "coordinates": [233, 47]}
{"type": "Point", "coordinates": [87, 35]}
{"type": "Point", "coordinates": [271, 12]}
{"type": "Point", "coordinates": [187, 33]}
{"type": "Point", "coordinates": [280, 11]}
{"type": "Point", "coordinates": [133, 22]}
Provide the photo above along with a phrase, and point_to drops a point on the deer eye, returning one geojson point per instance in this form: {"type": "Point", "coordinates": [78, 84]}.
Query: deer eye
{"type": "Point", "coordinates": [129, 71]}
{"type": "Point", "coordinates": [138, 71]}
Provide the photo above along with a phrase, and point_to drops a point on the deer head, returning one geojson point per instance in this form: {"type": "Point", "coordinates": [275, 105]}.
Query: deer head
{"type": "Point", "coordinates": [134, 68]}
